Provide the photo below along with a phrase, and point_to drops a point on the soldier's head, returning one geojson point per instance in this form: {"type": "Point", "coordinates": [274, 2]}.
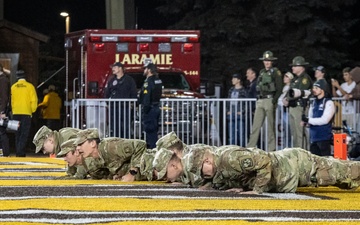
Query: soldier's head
{"type": "Point", "coordinates": [70, 153]}
{"type": "Point", "coordinates": [87, 141]}
{"type": "Point", "coordinates": [45, 140]}
{"type": "Point", "coordinates": [298, 65]}
{"type": "Point", "coordinates": [167, 165]}
{"type": "Point", "coordinates": [171, 142]}
{"type": "Point", "coordinates": [201, 161]}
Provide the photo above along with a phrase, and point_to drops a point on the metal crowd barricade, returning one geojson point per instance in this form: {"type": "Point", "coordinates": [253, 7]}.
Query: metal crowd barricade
{"type": "Point", "coordinates": [210, 121]}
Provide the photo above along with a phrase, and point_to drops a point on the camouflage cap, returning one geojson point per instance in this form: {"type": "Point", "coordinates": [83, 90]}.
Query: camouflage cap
{"type": "Point", "coordinates": [161, 160]}
{"type": "Point", "coordinates": [167, 140]}
{"type": "Point", "coordinates": [40, 137]}
{"type": "Point", "coordinates": [194, 159]}
{"type": "Point", "coordinates": [146, 163]}
{"type": "Point", "coordinates": [66, 147]}
{"type": "Point", "coordinates": [86, 134]}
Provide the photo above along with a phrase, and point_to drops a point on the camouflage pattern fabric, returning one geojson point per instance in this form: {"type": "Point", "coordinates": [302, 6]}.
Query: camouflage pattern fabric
{"type": "Point", "coordinates": [115, 152]}
{"type": "Point", "coordinates": [282, 171]}
{"type": "Point", "coordinates": [146, 163]}
{"type": "Point", "coordinates": [167, 140]}
{"type": "Point", "coordinates": [161, 160]}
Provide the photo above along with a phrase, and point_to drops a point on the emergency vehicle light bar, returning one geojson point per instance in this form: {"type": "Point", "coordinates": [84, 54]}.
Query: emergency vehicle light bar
{"type": "Point", "coordinates": [144, 38]}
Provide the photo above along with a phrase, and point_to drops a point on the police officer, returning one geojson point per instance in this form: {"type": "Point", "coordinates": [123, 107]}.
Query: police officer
{"type": "Point", "coordinates": [269, 87]}
{"type": "Point", "coordinates": [120, 86]}
{"type": "Point", "coordinates": [297, 104]}
{"type": "Point", "coordinates": [150, 95]}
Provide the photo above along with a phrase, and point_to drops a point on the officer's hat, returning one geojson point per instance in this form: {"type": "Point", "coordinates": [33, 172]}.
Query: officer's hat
{"type": "Point", "coordinates": [268, 56]}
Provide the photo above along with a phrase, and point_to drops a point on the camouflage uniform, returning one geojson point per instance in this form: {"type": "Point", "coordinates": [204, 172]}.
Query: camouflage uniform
{"type": "Point", "coordinates": [169, 140]}
{"type": "Point", "coordinates": [193, 177]}
{"type": "Point", "coordinates": [61, 136]}
{"type": "Point", "coordinates": [146, 164]}
{"type": "Point", "coordinates": [282, 171]}
{"type": "Point", "coordinates": [118, 155]}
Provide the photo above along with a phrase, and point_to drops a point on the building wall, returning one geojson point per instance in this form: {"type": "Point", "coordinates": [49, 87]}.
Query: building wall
{"type": "Point", "coordinates": [28, 47]}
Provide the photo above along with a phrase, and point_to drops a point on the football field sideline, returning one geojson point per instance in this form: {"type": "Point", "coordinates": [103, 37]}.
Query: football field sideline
{"type": "Point", "coordinates": [31, 194]}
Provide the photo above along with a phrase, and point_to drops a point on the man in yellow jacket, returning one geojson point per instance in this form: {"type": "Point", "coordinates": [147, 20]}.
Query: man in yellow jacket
{"type": "Point", "coordinates": [23, 104]}
{"type": "Point", "coordinates": [51, 106]}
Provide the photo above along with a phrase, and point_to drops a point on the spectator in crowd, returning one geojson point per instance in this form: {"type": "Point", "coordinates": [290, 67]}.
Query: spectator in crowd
{"type": "Point", "coordinates": [269, 86]}
{"type": "Point", "coordinates": [297, 103]}
{"type": "Point", "coordinates": [4, 108]}
{"type": "Point", "coordinates": [236, 111]}
{"type": "Point", "coordinates": [23, 104]}
{"type": "Point", "coordinates": [320, 73]}
{"type": "Point", "coordinates": [120, 86]}
{"type": "Point", "coordinates": [321, 113]}
{"type": "Point", "coordinates": [251, 77]}
{"type": "Point", "coordinates": [50, 108]}
{"type": "Point", "coordinates": [355, 93]}
{"type": "Point", "coordinates": [344, 90]}
{"type": "Point", "coordinates": [149, 98]}
{"type": "Point", "coordinates": [283, 110]}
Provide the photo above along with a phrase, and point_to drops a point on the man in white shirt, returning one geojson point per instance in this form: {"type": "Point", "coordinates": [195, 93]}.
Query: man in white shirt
{"type": "Point", "coordinates": [344, 90]}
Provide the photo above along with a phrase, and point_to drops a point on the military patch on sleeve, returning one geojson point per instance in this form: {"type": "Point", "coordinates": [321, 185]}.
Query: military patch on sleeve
{"type": "Point", "coordinates": [247, 163]}
{"type": "Point", "coordinates": [304, 81]}
{"type": "Point", "coordinates": [279, 73]}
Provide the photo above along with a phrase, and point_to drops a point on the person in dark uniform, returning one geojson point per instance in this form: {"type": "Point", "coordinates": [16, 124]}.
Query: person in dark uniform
{"type": "Point", "coordinates": [119, 87]}
{"type": "Point", "coordinates": [149, 98]}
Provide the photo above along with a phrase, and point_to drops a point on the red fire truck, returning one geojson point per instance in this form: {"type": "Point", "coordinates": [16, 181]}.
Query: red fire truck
{"type": "Point", "coordinates": [90, 52]}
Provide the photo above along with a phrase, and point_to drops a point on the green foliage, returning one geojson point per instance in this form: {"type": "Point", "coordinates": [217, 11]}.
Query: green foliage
{"type": "Point", "coordinates": [235, 33]}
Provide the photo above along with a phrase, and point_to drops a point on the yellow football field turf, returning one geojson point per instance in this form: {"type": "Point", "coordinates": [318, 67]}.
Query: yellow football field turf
{"type": "Point", "coordinates": [31, 194]}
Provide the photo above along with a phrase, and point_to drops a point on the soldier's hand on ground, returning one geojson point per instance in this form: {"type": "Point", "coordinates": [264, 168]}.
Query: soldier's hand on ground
{"type": "Point", "coordinates": [176, 183]}
{"type": "Point", "coordinates": [249, 192]}
{"type": "Point", "coordinates": [116, 177]}
{"type": "Point", "coordinates": [236, 190]}
{"type": "Point", "coordinates": [128, 178]}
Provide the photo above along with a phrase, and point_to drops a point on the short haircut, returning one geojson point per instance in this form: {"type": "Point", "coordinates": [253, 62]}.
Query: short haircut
{"type": "Point", "coordinates": [346, 70]}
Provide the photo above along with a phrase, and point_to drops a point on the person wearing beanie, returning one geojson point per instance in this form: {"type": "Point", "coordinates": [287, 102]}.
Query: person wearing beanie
{"type": "Point", "coordinates": [321, 113]}
{"type": "Point", "coordinates": [50, 108]}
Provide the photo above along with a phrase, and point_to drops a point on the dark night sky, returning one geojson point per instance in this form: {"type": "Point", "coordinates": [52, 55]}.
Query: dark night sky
{"type": "Point", "coordinates": [44, 15]}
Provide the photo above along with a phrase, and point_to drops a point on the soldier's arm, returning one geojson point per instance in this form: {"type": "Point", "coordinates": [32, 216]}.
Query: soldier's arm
{"type": "Point", "coordinates": [261, 165]}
